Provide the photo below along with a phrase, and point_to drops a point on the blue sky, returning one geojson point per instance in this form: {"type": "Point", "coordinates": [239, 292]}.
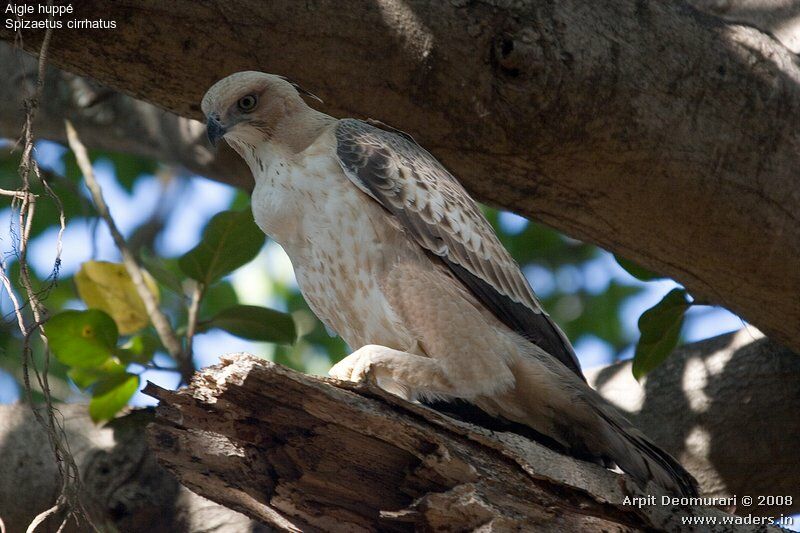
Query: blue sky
{"type": "Point", "coordinates": [199, 199]}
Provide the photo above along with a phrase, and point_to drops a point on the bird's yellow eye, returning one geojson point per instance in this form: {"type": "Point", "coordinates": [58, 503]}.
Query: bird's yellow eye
{"type": "Point", "coordinates": [247, 103]}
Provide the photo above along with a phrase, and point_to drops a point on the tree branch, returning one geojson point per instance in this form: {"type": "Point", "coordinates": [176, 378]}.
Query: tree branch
{"type": "Point", "coordinates": [138, 127]}
{"type": "Point", "coordinates": [191, 327]}
{"type": "Point", "coordinates": [160, 321]}
{"type": "Point", "coordinates": [635, 126]}
{"type": "Point", "coordinates": [692, 406]}
{"type": "Point", "coordinates": [301, 453]}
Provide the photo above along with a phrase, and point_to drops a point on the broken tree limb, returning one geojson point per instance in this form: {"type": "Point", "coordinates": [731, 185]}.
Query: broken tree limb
{"type": "Point", "coordinates": [649, 128]}
{"type": "Point", "coordinates": [304, 454]}
{"type": "Point", "coordinates": [692, 406]}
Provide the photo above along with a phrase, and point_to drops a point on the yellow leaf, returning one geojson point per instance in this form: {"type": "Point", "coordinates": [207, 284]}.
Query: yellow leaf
{"type": "Point", "coordinates": [108, 287]}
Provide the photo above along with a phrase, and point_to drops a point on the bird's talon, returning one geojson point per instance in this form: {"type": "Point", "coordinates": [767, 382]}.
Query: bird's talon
{"type": "Point", "coordinates": [357, 367]}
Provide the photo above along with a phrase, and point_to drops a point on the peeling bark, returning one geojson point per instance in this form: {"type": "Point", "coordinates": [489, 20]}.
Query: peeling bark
{"type": "Point", "coordinates": [307, 454]}
{"type": "Point", "coordinates": [649, 128]}
{"type": "Point", "coordinates": [692, 406]}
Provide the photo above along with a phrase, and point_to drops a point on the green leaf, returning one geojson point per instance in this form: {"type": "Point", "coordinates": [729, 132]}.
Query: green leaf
{"type": "Point", "coordinates": [9, 165]}
{"type": "Point", "coordinates": [165, 271]}
{"type": "Point", "coordinates": [83, 339]}
{"type": "Point", "coordinates": [84, 378]}
{"type": "Point", "coordinates": [219, 296]}
{"type": "Point", "coordinates": [240, 201]}
{"type": "Point", "coordinates": [254, 323]}
{"type": "Point", "coordinates": [139, 349]}
{"type": "Point", "coordinates": [637, 271]}
{"type": "Point", "coordinates": [112, 394]}
{"type": "Point", "coordinates": [230, 240]}
{"type": "Point", "coordinates": [660, 328]}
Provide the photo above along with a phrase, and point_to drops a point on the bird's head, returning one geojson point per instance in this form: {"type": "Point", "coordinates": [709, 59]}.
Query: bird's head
{"type": "Point", "coordinates": [248, 107]}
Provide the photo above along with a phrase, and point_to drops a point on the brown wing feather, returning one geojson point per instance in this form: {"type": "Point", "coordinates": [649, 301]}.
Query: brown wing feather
{"type": "Point", "coordinates": [441, 216]}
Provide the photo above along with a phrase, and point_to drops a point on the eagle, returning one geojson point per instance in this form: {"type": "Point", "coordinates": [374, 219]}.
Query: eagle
{"type": "Point", "coordinates": [392, 253]}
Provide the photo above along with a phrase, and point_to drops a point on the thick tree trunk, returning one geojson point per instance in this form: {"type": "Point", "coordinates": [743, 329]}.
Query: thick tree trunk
{"type": "Point", "coordinates": [639, 126]}
{"type": "Point", "coordinates": [305, 454]}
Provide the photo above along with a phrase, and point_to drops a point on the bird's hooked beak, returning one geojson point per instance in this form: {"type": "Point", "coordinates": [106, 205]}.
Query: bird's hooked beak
{"type": "Point", "coordinates": [214, 129]}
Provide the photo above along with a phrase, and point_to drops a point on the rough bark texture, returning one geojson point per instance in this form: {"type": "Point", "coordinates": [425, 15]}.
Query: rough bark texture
{"type": "Point", "coordinates": [692, 406]}
{"type": "Point", "coordinates": [638, 126]}
{"type": "Point", "coordinates": [307, 454]}
{"type": "Point", "coordinates": [126, 489]}
{"type": "Point", "coordinates": [727, 408]}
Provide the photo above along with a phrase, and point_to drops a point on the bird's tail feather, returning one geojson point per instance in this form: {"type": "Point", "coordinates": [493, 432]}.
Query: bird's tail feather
{"type": "Point", "coordinates": [638, 456]}
{"type": "Point", "coordinates": [605, 437]}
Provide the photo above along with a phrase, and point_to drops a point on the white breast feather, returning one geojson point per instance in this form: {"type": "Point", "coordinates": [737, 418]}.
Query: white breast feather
{"type": "Point", "coordinates": [335, 237]}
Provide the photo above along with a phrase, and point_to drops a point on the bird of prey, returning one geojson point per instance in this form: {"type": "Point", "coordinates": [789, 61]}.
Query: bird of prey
{"type": "Point", "coordinates": [392, 253]}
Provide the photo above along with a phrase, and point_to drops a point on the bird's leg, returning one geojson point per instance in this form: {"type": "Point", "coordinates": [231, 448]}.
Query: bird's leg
{"type": "Point", "coordinates": [403, 373]}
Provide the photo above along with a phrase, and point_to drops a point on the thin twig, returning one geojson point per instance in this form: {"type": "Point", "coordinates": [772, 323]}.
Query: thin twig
{"type": "Point", "coordinates": [12, 295]}
{"type": "Point", "coordinates": [156, 366]}
{"type": "Point", "coordinates": [191, 329]}
{"type": "Point", "coordinates": [20, 195]}
{"type": "Point", "coordinates": [25, 202]}
{"type": "Point", "coordinates": [164, 329]}
{"type": "Point", "coordinates": [64, 523]}
{"type": "Point", "coordinates": [41, 517]}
